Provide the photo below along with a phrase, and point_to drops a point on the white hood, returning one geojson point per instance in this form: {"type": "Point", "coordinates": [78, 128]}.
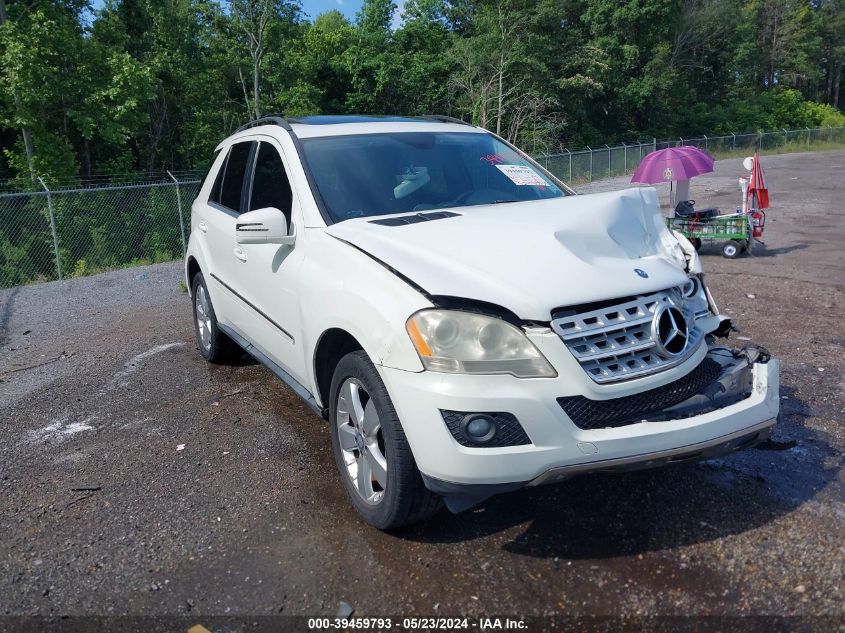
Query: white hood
{"type": "Point", "coordinates": [532, 257]}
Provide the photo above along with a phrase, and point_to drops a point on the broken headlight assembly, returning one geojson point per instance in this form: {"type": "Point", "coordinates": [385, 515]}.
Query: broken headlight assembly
{"type": "Point", "coordinates": [695, 294]}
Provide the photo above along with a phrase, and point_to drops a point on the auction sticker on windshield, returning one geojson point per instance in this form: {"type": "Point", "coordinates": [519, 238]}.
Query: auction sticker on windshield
{"type": "Point", "coordinates": [522, 175]}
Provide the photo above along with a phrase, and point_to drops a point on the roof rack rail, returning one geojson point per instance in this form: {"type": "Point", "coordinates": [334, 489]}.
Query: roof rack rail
{"type": "Point", "coordinates": [444, 119]}
{"type": "Point", "coordinates": [272, 119]}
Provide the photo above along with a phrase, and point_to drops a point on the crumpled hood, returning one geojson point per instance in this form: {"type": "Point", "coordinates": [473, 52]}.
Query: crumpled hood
{"type": "Point", "coordinates": [532, 257]}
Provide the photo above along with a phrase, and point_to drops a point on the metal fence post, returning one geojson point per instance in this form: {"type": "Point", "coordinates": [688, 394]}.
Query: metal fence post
{"type": "Point", "coordinates": [705, 143]}
{"type": "Point", "coordinates": [53, 227]}
{"type": "Point", "coordinates": [733, 141]}
{"type": "Point", "coordinates": [625, 158]}
{"type": "Point", "coordinates": [591, 162]}
{"type": "Point", "coordinates": [654, 143]}
{"type": "Point", "coordinates": [609, 161]}
{"type": "Point", "coordinates": [570, 165]}
{"type": "Point", "coordinates": [179, 205]}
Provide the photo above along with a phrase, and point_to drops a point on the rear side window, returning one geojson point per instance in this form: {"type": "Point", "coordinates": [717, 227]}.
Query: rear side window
{"type": "Point", "coordinates": [270, 186]}
{"type": "Point", "coordinates": [218, 182]}
{"type": "Point", "coordinates": [228, 189]}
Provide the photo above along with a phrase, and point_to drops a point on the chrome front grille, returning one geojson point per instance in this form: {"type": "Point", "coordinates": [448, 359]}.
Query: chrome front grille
{"type": "Point", "coordinates": [619, 342]}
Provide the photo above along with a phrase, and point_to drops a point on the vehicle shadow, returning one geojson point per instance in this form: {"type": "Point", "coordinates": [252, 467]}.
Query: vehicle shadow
{"type": "Point", "coordinates": [760, 250]}
{"type": "Point", "coordinates": [241, 359]}
{"type": "Point", "coordinates": [608, 515]}
{"type": "Point", "coordinates": [764, 251]}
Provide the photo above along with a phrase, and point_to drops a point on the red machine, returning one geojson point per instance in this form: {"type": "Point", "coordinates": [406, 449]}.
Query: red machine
{"type": "Point", "coordinates": [758, 222]}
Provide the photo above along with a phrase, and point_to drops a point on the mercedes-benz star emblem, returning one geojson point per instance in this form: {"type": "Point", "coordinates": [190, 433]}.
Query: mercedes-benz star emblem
{"type": "Point", "coordinates": [670, 330]}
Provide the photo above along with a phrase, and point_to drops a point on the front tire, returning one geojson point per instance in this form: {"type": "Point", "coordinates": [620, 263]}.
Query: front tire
{"type": "Point", "coordinates": [372, 454]}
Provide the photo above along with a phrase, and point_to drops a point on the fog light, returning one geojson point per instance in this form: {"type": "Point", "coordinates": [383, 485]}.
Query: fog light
{"type": "Point", "coordinates": [488, 429]}
{"type": "Point", "coordinates": [479, 428]}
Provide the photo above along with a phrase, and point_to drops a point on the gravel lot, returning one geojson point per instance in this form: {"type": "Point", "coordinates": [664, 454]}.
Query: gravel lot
{"type": "Point", "coordinates": [100, 381]}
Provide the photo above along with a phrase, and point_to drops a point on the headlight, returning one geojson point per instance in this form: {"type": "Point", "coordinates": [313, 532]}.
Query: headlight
{"type": "Point", "coordinates": [691, 288]}
{"type": "Point", "coordinates": [695, 293]}
{"type": "Point", "coordinates": [458, 342]}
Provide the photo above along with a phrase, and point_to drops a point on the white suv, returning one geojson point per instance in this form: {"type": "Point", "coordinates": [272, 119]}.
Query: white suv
{"type": "Point", "coordinates": [466, 323]}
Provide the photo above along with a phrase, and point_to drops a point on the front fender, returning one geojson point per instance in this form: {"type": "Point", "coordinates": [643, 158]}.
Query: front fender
{"type": "Point", "coordinates": [344, 288]}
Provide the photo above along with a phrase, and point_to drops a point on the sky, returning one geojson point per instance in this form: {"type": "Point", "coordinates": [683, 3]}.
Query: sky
{"type": "Point", "coordinates": [313, 8]}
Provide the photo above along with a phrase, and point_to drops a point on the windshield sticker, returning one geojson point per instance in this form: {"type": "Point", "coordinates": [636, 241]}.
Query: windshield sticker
{"type": "Point", "coordinates": [522, 175]}
{"type": "Point", "coordinates": [493, 159]}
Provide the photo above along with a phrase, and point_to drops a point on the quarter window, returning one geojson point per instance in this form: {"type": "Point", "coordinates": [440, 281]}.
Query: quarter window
{"type": "Point", "coordinates": [218, 182]}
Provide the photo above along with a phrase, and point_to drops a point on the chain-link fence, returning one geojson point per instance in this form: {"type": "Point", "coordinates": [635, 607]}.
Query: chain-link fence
{"type": "Point", "coordinates": [65, 231]}
{"type": "Point", "coordinates": [71, 232]}
{"type": "Point", "coordinates": [595, 163]}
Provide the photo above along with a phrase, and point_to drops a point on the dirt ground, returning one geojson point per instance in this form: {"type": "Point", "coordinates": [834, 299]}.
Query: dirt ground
{"type": "Point", "coordinates": [100, 383]}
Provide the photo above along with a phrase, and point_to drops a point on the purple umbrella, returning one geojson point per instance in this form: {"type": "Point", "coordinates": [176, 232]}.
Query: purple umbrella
{"type": "Point", "coordinates": [673, 163]}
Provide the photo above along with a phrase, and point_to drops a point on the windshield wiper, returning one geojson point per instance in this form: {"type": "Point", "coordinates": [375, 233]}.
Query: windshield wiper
{"type": "Point", "coordinates": [503, 201]}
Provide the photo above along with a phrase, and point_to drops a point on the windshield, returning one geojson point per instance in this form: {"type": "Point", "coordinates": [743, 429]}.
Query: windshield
{"type": "Point", "coordinates": [386, 173]}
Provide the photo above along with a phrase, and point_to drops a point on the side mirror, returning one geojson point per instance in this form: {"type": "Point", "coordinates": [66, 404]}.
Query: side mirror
{"type": "Point", "coordinates": [263, 226]}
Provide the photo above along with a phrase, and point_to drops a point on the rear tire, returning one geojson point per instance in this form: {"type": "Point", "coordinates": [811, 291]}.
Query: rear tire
{"type": "Point", "coordinates": [731, 249]}
{"type": "Point", "coordinates": [214, 346]}
{"type": "Point", "coordinates": [372, 454]}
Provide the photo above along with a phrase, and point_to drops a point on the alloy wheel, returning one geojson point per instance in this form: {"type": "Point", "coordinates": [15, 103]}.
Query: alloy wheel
{"type": "Point", "coordinates": [361, 441]}
{"type": "Point", "coordinates": [203, 312]}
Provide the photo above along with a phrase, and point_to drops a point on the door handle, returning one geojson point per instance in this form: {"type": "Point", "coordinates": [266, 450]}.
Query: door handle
{"type": "Point", "coordinates": [203, 226]}
{"type": "Point", "coordinates": [239, 253]}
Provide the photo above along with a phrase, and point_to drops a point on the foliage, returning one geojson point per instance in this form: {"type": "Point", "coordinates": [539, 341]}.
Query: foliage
{"type": "Point", "coordinates": [149, 85]}
{"type": "Point", "coordinates": [97, 230]}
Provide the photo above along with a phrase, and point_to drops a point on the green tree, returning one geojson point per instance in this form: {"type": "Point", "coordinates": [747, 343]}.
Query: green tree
{"type": "Point", "coordinates": [315, 61]}
{"type": "Point", "coordinates": [831, 26]}
{"type": "Point", "coordinates": [39, 54]}
{"type": "Point", "coordinates": [148, 85]}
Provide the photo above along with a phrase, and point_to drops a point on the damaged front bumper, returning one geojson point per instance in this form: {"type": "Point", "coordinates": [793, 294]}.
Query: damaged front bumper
{"type": "Point", "coordinates": [716, 447]}
{"type": "Point", "coordinates": [731, 408]}
{"type": "Point", "coordinates": [734, 383]}
{"type": "Point", "coordinates": [461, 497]}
